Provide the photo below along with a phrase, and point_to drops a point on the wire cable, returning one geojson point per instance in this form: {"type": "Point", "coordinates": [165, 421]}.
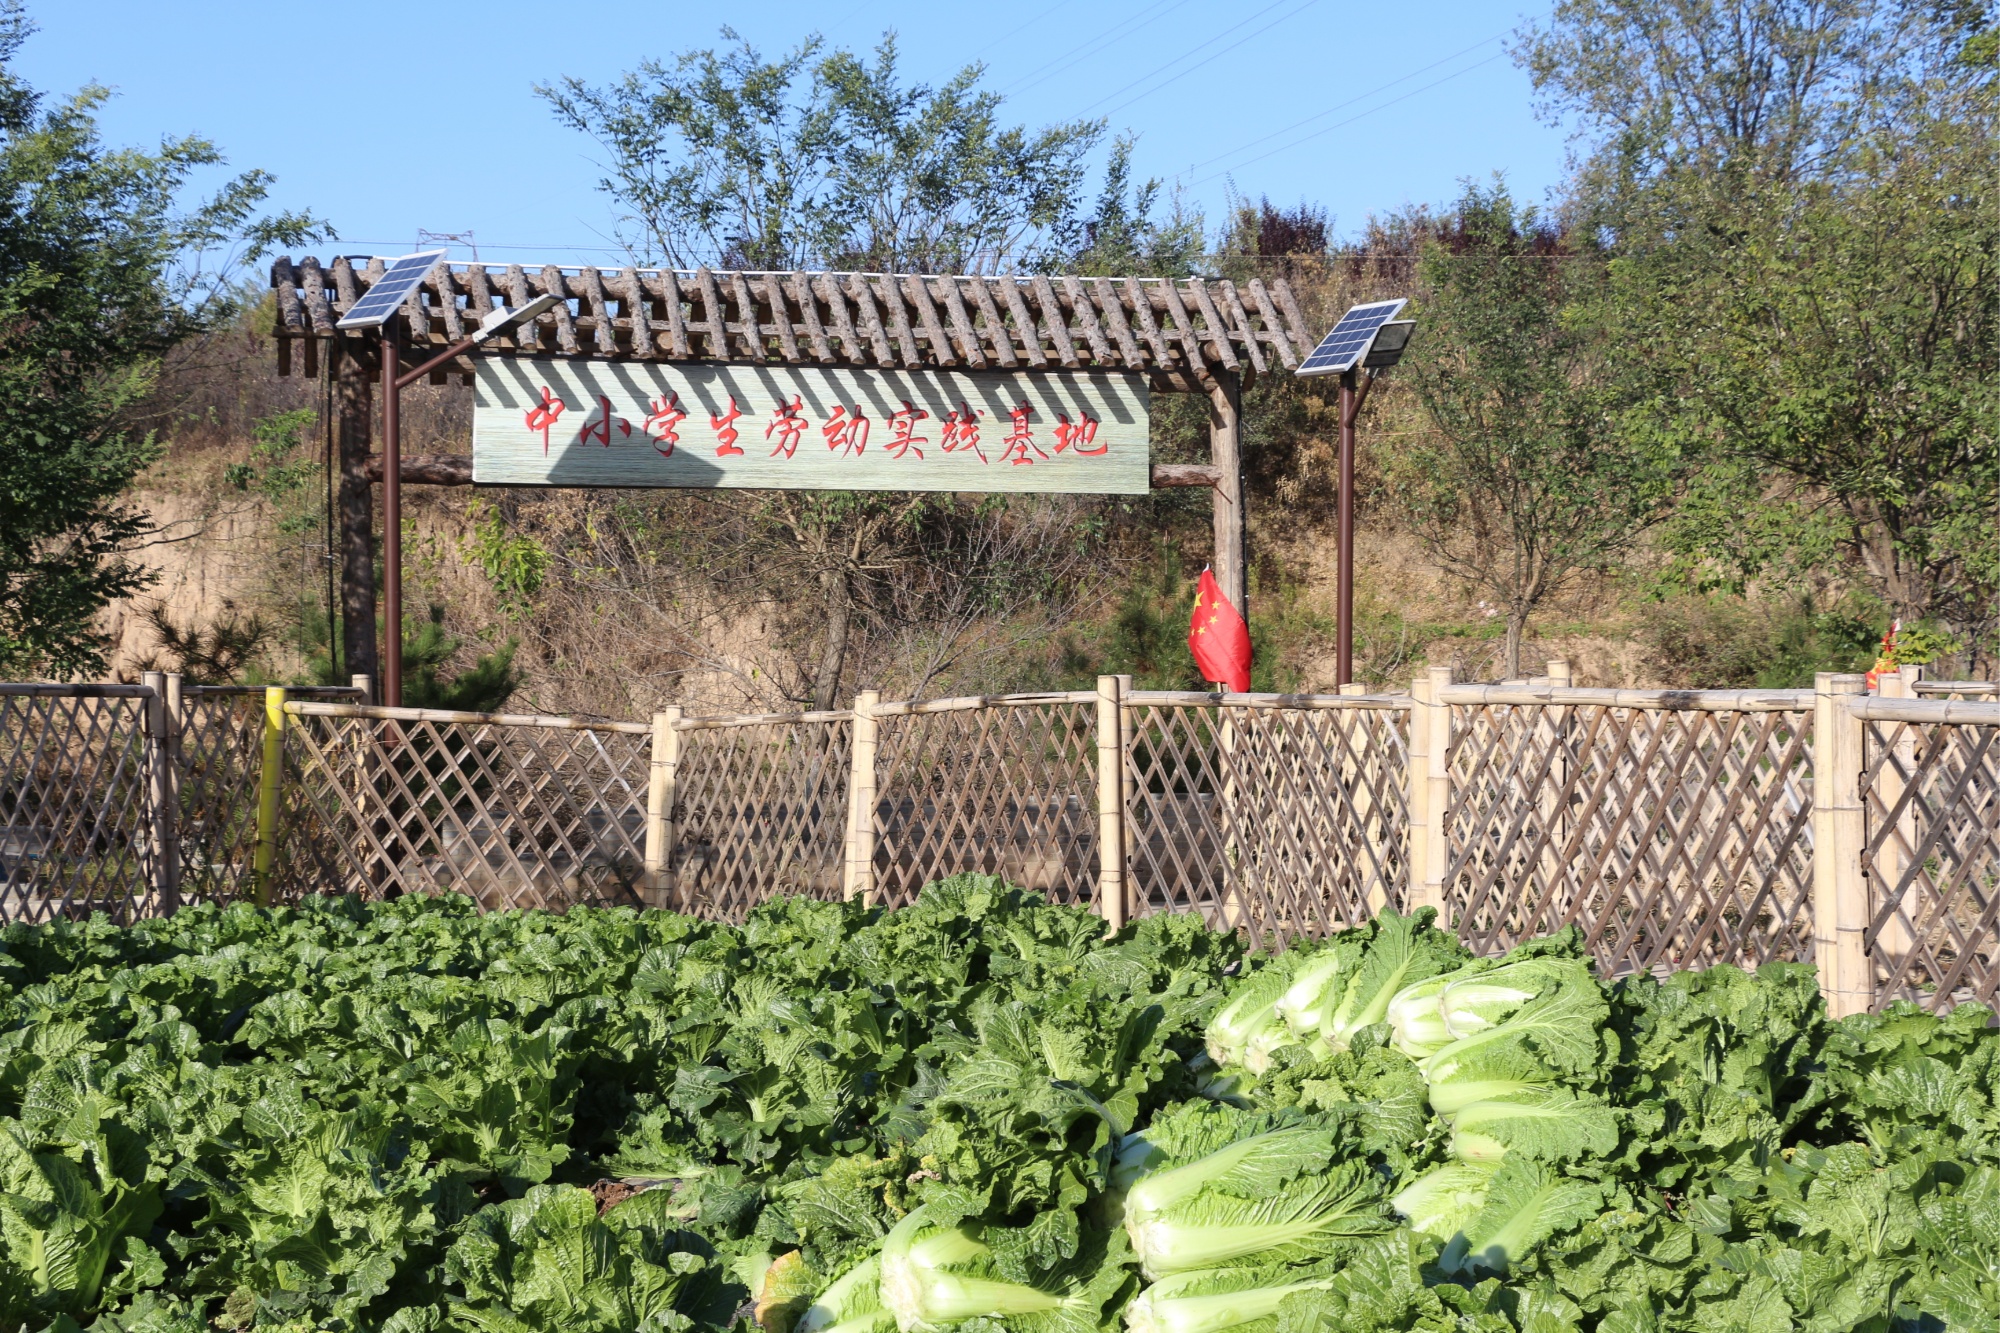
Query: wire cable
{"type": "Point", "coordinates": [1340, 106]}
{"type": "Point", "coordinates": [1341, 124]}
{"type": "Point", "coordinates": [1077, 54]}
{"type": "Point", "coordinates": [1198, 64]}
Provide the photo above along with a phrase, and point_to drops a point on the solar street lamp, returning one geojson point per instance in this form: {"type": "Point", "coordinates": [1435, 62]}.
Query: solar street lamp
{"type": "Point", "coordinates": [380, 308]}
{"type": "Point", "coordinates": [1368, 337]}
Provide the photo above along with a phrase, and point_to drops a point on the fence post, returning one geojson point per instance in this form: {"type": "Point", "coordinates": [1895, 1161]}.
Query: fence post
{"type": "Point", "coordinates": [661, 780]}
{"type": "Point", "coordinates": [860, 880]}
{"type": "Point", "coordinates": [1434, 716]}
{"type": "Point", "coordinates": [162, 842]}
{"type": "Point", "coordinates": [364, 682]}
{"type": "Point", "coordinates": [1840, 884]}
{"type": "Point", "coordinates": [270, 781]}
{"type": "Point", "coordinates": [1110, 806]}
{"type": "Point", "coordinates": [170, 900]}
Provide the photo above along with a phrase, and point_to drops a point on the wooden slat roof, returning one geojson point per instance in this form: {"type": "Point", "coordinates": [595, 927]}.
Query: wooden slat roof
{"type": "Point", "coordinates": [1179, 331]}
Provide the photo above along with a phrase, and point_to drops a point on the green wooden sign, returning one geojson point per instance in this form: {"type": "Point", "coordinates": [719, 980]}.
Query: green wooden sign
{"type": "Point", "coordinates": [555, 422]}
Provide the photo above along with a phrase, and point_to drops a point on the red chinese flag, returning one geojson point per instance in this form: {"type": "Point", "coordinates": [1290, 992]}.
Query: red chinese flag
{"type": "Point", "coordinates": [1218, 638]}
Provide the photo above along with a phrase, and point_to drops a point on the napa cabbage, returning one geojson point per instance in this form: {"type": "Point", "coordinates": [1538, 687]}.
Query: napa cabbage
{"type": "Point", "coordinates": [1317, 984]}
{"type": "Point", "coordinates": [1401, 951]}
{"type": "Point", "coordinates": [1212, 1300]}
{"type": "Point", "coordinates": [1250, 1016]}
{"type": "Point", "coordinates": [1238, 1188]}
{"type": "Point", "coordinates": [934, 1276]}
{"type": "Point", "coordinates": [851, 1304]}
{"type": "Point", "coordinates": [1443, 1200]}
{"type": "Point", "coordinates": [1526, 1203]}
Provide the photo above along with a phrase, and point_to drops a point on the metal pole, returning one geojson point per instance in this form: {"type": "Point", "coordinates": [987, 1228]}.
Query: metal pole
{"type": "Point", "coordinates": [392, 519]}
{"type": "Point", "coordinates": [1350, 407]}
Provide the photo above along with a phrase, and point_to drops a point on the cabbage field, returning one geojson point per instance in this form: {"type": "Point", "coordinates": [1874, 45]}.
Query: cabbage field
{"type": "Point", "coordinates": [974, 1113]}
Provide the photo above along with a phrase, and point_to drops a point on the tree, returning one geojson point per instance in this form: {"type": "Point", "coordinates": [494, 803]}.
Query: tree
{"type": "Point", "coordinates": [1523, 482]}
{"type": "Point", "coordinates": [100, 274]}
{"type": "Point", "coordinates": [1802, 197]}
{"type": "Point", "coordinates": [822, 160]}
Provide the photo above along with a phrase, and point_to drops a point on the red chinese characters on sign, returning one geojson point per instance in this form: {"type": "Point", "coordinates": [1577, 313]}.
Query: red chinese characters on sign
{"type": "Point", "coordinates": [663, 418]}
{"type": "Point", "coordinates": [1021, 438]}
{"type": "Point", "coordinates": [599, 427]}
{"type": "Point", "coordinates": [903, 424]}
{"type": "Point", "coordinates": [543, 415]}
{"type": "Point", "coordinates": [845, 433]}
{"type": "Point", "coordinates": [789, 422]}
{"type": "Point", "coordinates": [1078, 434]}
{"type": "Point", "coordinates": [725, 429]}
{"type": "Point", "coordinates": [961, 431]}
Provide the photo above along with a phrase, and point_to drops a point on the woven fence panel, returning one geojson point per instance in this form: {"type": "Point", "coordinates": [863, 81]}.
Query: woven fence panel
{"type": "Point", "coordinates": [220, 756]}
{"type": "Point", "coordinates": [1672, 838]}
{"type": "Point", "coordinates": [1931, 798]}
{"type": "Point", "coordinates": [760, 811]}
{"type": "Point", "coordinates": [515, 816]}
{"type": "Point", "coordinates": [73, 808]}
{"type": "Point", "coordinates": [1279, 822]}
{"type": "Point", "coordinates": [1008, 789]}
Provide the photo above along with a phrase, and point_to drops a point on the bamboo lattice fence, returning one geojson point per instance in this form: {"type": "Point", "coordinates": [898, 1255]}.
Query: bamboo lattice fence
{"type": "Point", "coordinates": [1857, 831]}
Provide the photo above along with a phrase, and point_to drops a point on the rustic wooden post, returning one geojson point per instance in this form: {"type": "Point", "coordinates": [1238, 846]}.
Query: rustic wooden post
{"type": "Point", "coordinates": [1433, 714]}
{"type": "Point", "coordinates": [661, 780]}
{"type": "Point", "coordinates": [1111, 904]}
{"type": "Point", "coordinates": [364, 682]}
{"type": "Point", "coordinates": [1892, 862]}
{"type": "Point", "coordinates": [270, 782]}
{"type": "Point", "coordinates": [860, 881]}
{"type": "Point", "coordinates": [1840, 885]}
{"type": "Point", "coordinates": [354, 418]}
{"type": "Point", "coordinates": [162, 842]}
{"type": "Point", "coordinates": [1225, 452]}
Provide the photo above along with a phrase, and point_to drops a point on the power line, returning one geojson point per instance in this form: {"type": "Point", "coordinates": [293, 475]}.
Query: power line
{"type": "Point", "coordinates": [1012, 33]}
{"type": "Point", "coordinates": [1339, 106]}
{"type": "Point", "coordinates": [1075, 55]}
{"type": "Point", "coordinates": [1340, 124]}
{"type": "Point", "coordinates": [1198, 64]}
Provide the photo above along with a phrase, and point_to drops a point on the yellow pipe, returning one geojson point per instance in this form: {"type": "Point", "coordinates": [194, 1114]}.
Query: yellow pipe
{"type": "Point", "coordinates": [269, 784]}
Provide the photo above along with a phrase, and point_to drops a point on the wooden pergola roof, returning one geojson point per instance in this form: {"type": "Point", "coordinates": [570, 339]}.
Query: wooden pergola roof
{"type": "Point", "coordinates": [1181, 332]}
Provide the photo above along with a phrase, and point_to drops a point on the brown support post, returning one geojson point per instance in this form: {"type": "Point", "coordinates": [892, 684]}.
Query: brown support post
{"type": "Point", "coordinates": [392, 515]}
{"type": "Point", "coordinates": [1225, 441]}
{"type": "Point", "coordinates": [1343, 633]}
{"type": "Point", "coordinates": [354, 418]}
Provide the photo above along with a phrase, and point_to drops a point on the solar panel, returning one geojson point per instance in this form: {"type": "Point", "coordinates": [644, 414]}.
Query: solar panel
{"type": "Point", "coordinates": [1342, 349]}
{"type": "Point", "coordinates": [379, 304]}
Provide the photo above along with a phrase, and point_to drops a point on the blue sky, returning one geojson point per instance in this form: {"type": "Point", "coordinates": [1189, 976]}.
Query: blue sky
{"type": "Point", "coordinates": [396, 117]}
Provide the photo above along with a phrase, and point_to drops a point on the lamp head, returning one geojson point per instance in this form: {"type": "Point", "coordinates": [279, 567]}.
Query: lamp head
{"type": "Point", "coordinates": [502, 319]}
